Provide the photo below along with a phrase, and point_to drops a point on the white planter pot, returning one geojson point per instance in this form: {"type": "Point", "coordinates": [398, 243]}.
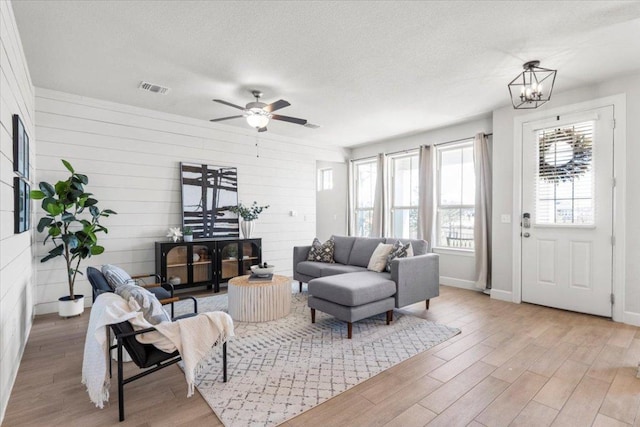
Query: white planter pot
{"type": "Point", "coordinates": [188, 237]}
{"type": "Point", "coordinates": [247, 228]}
{"type": "Point", "coordinates": [68, 307]}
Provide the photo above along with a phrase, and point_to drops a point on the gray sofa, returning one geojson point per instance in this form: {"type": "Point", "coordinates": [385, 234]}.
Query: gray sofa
{"type": "Point", "coordinates": [416, 278]}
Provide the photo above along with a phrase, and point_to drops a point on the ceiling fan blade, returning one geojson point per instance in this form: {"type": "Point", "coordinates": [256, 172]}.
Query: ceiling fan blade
{"type": "Point", "coordinates": [275, 106]}
{"type": "Point", "coordinates": [263, 129]}
{"type": "Point", "coordinates": [311, 126]}
{"type": "Point", "coordinates": [289, 119]}
{"type": "Point", "coordinates": [229, 104]}
{"type": "Point", "coordinates": [225, 118]}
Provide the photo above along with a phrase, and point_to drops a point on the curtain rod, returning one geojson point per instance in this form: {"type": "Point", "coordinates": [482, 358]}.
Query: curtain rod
{"type": "Point", "coordinates": [458, 140]}
{"type": "Point", "coordinates": [433, 145]}
{"type": "Point", "coordinates": [411, 149]}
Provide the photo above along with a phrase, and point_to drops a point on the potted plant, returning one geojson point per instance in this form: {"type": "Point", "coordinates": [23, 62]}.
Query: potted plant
{"type": "Point", "coordinates": [249, 214]}
{"type": "Point", "coordinates": [72, 223]}
{"type": "Point", "coordinates": [187, 234]}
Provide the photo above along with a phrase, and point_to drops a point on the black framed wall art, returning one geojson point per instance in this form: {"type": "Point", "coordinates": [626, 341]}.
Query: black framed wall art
{"type": "Point", "coordinates": [207, 194]}
{"type": "Point", "coordinates": [20, 148]}
{"type": "Point", "coordinates": [21, 208]}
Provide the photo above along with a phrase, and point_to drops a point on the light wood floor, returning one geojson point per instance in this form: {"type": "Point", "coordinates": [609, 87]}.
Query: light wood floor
{"type": "Point", "coordinates": [512, 365]}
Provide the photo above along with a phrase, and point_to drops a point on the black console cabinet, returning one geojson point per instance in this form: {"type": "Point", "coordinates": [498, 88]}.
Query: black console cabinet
{"type": "Point", "coordinates": [206, 262]}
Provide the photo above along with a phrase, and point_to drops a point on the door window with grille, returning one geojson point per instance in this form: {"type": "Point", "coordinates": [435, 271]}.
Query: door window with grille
{"type": "Point", "coordinates": [564, 181]}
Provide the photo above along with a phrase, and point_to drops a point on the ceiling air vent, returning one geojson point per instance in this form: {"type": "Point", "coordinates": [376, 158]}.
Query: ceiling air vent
{"type": "Point", "coordinates": [150, 87]}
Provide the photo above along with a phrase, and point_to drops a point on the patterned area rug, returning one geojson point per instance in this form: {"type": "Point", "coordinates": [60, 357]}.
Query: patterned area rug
{"type": "Point", "coordinates": [282, 368]}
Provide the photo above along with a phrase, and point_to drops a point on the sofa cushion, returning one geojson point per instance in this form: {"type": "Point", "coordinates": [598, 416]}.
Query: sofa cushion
{"type": "Point", "coordinates": [353, 289]}
{"type": "Point", "coordinates": [319, 269]}
{"type": "Point", "coordinates": [362, 250]}
{"type": "Point", "coordinates": [311, 268]}
{"type": "Point", "coordinates": [333, 269]}
{"type": "Point", "coordinates": [344, 244]}
{"type": "Point", "coordinates": [321, 252]}
{"type": "Point", "coordinates": [378, 260]}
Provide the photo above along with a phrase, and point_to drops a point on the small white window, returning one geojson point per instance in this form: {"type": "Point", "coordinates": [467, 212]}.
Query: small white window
{"type": "Point", "coordinates": [325, 179]}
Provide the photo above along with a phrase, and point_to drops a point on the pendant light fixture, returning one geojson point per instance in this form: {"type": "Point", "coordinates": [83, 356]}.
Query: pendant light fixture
{"type": "Point", "coordinates": [532, 87]}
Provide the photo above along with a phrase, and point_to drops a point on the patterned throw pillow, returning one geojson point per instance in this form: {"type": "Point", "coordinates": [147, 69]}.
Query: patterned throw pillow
{"type": "Point", "coordinates": [116, 276]}
{"type": "Point", "coordinates": [399, 251]}
{"type": "Point", "coordinates": [149, 305]}
{"type": "Point", "coordinates": [322, 252]}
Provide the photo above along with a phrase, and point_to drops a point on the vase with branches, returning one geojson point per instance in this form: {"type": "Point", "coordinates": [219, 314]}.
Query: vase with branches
{"type": "Point", "coordinates": [72, 223]}
{"type": "Point", "coordinates": [248, 214]}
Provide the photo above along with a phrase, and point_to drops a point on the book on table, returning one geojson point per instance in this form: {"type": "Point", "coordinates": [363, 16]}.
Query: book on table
{"type": "Point", "coordinates": [260, 278]}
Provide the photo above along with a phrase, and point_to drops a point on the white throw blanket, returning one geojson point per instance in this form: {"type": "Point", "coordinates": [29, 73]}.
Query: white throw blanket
{"type": "Point", "coordinates": [193, 337]}
{"type": "Point", "coordinates": [107, 309]}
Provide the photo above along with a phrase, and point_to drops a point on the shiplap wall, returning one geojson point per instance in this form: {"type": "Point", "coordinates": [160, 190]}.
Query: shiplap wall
{"type": "Point", "coordinates": [16, 260]}
{"type": "Point", "coordinates": [132, 157]}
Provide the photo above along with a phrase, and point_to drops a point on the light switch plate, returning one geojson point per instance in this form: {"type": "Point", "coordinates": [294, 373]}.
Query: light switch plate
{"type": "Point", "coordinates": [505, 218]}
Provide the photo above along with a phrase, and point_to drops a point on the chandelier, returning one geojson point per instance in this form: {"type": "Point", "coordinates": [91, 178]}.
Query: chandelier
{"type": "Point", "coordinates": [533, 87]}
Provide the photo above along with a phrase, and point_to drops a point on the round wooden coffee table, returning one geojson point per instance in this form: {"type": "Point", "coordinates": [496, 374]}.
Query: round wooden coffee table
{"type": "Point", "coordinates": [259, 301]}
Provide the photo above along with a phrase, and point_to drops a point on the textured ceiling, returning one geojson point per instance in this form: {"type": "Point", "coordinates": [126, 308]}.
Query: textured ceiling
{"type": "Point", "coordinates": [363, 71]}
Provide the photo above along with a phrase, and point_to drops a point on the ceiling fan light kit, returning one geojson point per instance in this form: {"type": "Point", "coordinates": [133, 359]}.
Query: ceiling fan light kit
{"type": "Point", "coordinates": [257, 114]}
{"type": "Point", "coordinates": [532, 87]}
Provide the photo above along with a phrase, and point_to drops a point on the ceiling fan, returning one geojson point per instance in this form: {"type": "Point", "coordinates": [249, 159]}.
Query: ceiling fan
{"type": "Point", "coordinates": [258, 113]}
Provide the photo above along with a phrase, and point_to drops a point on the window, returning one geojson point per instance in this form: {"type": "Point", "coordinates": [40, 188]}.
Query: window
{"type": "Point", "coordinates": [364, 186]}
{"type": "Point", "coordinates": [325, 179]}
{"type": "Point", "coordinates": [403, 196]}
{"type": "Point", "coordinates": [565, 180]}
{"type": "Point", "coordinates": [455, 196]}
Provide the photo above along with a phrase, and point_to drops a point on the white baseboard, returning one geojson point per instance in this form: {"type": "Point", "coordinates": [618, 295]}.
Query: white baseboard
{"type": "Point", "coordinates": [46, 308]}
{"type": "Point", "coordinates": [458, 283]}
{"type": "Point", "coordinates": [501, 295]}
{"type": "Point", "coordinates": [631, 318]}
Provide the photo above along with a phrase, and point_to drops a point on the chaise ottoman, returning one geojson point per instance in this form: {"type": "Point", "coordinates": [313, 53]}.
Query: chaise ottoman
{"type": "Point", "coordinates": [352, 296]}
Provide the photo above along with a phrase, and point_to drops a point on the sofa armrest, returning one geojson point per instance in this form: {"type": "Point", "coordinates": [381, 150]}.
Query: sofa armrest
{"type": "Point", "coordinates": [300, 253]}
{"type": "Point", "coordinates": [417, 278]}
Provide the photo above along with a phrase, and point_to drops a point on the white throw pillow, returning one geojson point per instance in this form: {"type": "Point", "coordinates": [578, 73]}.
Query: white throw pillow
{"type": "Point", "coordinates": [116, 276]}
{"type": "Point", "coordinates": [378, 260]}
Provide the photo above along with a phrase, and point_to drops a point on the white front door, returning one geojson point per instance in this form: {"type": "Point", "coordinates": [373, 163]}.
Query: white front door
{"type": "Point", "coordinates": [567, 207]}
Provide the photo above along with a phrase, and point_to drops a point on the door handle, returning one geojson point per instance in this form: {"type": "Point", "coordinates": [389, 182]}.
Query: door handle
{"type": "Point", "coordinates": [526, 235]}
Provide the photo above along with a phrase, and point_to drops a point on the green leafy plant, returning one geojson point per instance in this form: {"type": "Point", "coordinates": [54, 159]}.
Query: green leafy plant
{"type": "Point", "coordinates": [187, 231]}
{"type": "Point", "coordinates": [248, 213]}
{"type": "Point", "coordinates": [72, 231]}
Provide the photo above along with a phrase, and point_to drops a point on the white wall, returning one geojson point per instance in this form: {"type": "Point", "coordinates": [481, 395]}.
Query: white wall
{"type": "Point", "coordinates": [132, 157]}
{"type": "Point", "coordinates": [503, 180]}
{"type": "Point", "coordinates": [16, 260]}
{"type": "Point", "coordinates": [331, 205]}
{"type": "Point", "coordinates": [456, 268]}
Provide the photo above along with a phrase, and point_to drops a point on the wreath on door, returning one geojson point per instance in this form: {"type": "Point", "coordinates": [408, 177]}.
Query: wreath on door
{"type": "Point", "coordinates": [578, 164]}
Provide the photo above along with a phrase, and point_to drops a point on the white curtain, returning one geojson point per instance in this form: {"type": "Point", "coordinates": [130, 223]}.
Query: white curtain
{"type": "Point", "coordinates": [425, 196]}
{"type": "Point", "coordinates": [377, 226]}
{"type": "Point", "coordinates": [482, 225]}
